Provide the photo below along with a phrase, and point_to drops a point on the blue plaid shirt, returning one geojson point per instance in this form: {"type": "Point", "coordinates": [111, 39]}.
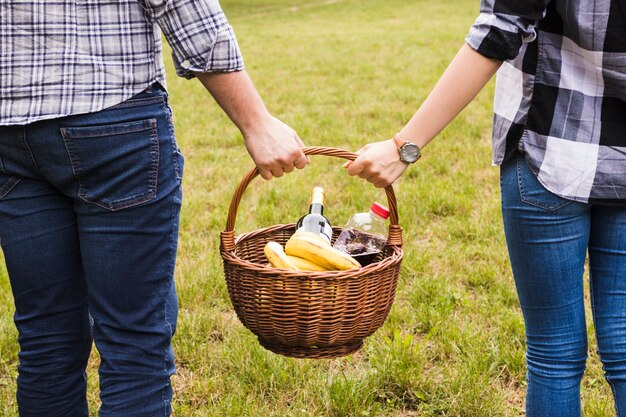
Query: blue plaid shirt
{"type": "Point", "coordinates": [561, 93]}
{"type": "Point", "coordinates": [59, 58]}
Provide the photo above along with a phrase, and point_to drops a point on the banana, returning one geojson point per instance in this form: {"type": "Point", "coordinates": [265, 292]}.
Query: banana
{"type": "Point", "coordinates": [304, 264]}
{"type": "Point", "coordinates": [277, 257]}
{"type": "Point", "coordinates": [319, 252]}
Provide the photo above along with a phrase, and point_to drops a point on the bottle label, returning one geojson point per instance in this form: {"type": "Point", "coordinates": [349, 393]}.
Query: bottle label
{"type": "Point", "coordinates": [364, 247]}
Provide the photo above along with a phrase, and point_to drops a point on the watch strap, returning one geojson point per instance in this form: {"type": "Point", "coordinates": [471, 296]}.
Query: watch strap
{"type": "Point", "coordinates": [398, 140]}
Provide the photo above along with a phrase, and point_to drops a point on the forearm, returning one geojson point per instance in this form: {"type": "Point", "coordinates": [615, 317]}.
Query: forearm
{"type": "Point", "coordinates": [464, 78]}
{"type": "Point", "coordinates": [237, 96]}
{"type": "Point", "coordinates": [274, 146]}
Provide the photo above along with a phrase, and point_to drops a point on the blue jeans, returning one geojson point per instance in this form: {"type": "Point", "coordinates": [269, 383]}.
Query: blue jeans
{"type": "Point", "coordinates": [89, 208]}
{"type": "Point", "coordinates": [548, 239]}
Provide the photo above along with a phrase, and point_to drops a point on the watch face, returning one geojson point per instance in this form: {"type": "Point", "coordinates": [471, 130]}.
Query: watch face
{"type": "Point", "coordinates": [409, 152]}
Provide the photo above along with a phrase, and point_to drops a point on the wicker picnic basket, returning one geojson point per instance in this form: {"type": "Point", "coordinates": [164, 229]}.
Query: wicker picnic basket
{"type": "Point", "coordinates": [308, 314]}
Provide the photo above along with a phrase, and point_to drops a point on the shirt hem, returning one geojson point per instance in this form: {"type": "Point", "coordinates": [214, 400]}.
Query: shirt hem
{"type": "Point", "coordinates": [23, 121]}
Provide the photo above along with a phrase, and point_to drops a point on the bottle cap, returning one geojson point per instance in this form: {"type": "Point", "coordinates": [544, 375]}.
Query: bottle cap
{"type": "Point", "coordinates": [380, 210]}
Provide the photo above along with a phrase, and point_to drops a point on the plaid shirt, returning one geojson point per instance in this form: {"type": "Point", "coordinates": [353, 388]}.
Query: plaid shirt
{"type": "Point", "coordinates": [561, 93]}
{"type": "Point", "coordinates": [59, 57]}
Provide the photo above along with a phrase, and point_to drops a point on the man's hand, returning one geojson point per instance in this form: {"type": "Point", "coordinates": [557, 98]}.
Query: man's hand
{"type": "Point", "coordinates": [378, 163]}
{"type": "Point", "coordinates": [275, 148]}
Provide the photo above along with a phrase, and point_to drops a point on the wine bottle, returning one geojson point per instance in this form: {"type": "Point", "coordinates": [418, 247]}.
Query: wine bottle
{"type": "Point", "coordinates": [315, 221]}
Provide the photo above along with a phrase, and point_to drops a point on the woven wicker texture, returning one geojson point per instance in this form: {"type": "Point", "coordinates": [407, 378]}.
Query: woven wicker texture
{"type": "Point", "coordinates": [308, 314]}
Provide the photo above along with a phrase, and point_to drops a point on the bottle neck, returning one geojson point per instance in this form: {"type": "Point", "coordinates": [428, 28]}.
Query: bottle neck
{"type": "Point", "coordinates": [317, 201]}
{"type": "Point", "coordinates": [316, 208]}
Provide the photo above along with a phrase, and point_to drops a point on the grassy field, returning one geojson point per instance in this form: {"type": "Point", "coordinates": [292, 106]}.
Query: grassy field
{"type": "Point", "coordinates": [344, 73]}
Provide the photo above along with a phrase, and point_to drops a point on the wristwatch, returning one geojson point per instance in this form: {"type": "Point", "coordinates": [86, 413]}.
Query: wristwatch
{"type": "Point", "coordinates": [409, 152]}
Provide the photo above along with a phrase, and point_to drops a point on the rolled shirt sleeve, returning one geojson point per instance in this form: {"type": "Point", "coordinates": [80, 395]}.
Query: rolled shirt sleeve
{"type": "Point", "coordinates": [199, 34]}
{"type": "Point", "coordinates": [504, 25]}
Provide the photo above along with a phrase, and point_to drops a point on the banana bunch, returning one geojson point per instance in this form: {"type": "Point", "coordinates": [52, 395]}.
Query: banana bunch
{"type": "Point", "coordinates": [277, 258]}
{"type": "Point", "coordinates": [305, 251]}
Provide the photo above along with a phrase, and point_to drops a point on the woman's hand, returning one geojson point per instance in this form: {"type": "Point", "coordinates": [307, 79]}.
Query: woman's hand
{"type": "Point", "coordinates": [378, 163]}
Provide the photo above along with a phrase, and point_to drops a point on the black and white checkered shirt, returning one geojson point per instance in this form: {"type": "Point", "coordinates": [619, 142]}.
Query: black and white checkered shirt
{"type": "Point", "coordinates": [561, 92]}
{"type": "Point", "coordinates": [59, 58]}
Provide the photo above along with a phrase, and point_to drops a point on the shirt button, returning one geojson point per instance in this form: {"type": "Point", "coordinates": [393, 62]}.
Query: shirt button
{"type": "Point", "coordinates": [186, 63]}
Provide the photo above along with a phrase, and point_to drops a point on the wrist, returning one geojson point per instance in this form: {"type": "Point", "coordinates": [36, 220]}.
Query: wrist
{"type": "Point", "coordinates": [417, 138]}
{"type": "Point", "coordinates": [254, 122]}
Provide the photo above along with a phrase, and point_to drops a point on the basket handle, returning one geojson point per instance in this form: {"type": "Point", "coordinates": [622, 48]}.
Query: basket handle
{"type": "Point", "coordinates": [228, 235]}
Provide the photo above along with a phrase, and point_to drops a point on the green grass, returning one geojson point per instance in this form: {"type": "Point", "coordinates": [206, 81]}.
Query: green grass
{"type": "Point", "coordinates": [344, 73]}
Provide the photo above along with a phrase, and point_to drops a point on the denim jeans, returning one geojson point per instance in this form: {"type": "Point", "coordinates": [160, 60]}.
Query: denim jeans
{"type": "Point", "coordinates": [89, 208]}
{"type": "Point", "coordinates": [548, 239]}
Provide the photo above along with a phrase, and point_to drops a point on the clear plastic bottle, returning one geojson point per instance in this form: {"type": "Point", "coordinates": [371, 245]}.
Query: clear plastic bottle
{"type": "Point", "coordinates": [365, 234]}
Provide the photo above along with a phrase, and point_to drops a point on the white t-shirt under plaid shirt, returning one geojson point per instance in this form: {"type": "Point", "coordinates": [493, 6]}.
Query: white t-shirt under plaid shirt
{"type": "Point", "coordinates": [60, 58]}
{"type": "Point", "coordinates": [561, 93]}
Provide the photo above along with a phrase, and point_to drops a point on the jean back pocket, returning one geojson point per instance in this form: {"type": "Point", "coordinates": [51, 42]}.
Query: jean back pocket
{"type": "Point", "coordinates": [116, 165]}
{"type": "Point", "coordinates": [533, 192]}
